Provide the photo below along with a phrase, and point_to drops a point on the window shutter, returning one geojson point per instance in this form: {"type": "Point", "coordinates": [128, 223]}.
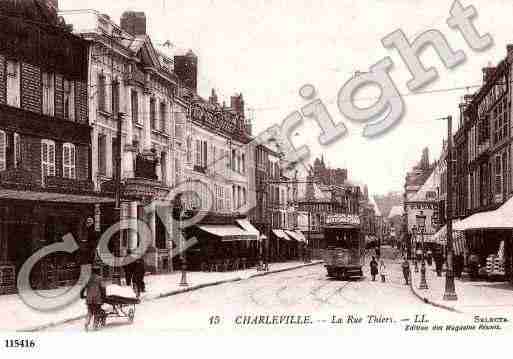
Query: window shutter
{"type": "Point", "coordinates": [3, 145]}
{"type": "Point", "coordinates": [65, 161]}
{"type": "Point", "coordinates": [17, 150]}
{"type": "Point", "coordinates": [205, 153]}
{"type": "Point", "coordinates": [73, 157]}
{"type": "Point", "coordinates": [44, 160]}
{"type": "Point", "coordinates": [51, 159]}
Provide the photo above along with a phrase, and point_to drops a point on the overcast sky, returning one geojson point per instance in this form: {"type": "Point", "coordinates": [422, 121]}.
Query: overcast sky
{"type": "Point", "coordinates": [268, 49]}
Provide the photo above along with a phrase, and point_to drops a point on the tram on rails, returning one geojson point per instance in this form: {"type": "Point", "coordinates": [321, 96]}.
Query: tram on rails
{"type": "Point", "coordinates": [344, 246]}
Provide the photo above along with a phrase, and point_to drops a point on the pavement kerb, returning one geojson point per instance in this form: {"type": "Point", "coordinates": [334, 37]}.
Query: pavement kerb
{"type": "Point", "coordinates": [169, 294]}
{"type": "Point", "coordinates": [418, 294]}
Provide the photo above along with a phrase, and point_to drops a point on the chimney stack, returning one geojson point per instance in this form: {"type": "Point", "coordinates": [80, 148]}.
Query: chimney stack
{"type": "Point", "coordinates": [237, 104]}
{"type": "Point", "coordinates": [186, 68]}
{"type": "Point", "coordinates": [134, 22]}
{"type": "Point", "coordinates": [213, 97]}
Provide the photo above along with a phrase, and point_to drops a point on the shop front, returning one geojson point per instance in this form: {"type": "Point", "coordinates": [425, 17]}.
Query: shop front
{"type": "Point", "coordinates": [220, 243]}
{"type": "Point", "coordinates": [30, 221]}
{"type": "Point", "coordinates": [489, 237]}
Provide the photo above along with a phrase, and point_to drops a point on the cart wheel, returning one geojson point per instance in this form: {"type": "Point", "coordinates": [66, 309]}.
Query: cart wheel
{"type": "Point", "coordinates": [131, 314]}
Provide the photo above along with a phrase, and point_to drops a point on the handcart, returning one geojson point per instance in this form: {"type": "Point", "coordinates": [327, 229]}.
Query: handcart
{"type": "Point", "coordinates": [121, 307]}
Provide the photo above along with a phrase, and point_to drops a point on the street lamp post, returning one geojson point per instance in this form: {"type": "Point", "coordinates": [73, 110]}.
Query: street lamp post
{"type": "Point", "coordinates": [421, 224]}
{"type": "Point", "coordinates": [450, 289]}
{"type": "Point", "coordinates": [414, 242]}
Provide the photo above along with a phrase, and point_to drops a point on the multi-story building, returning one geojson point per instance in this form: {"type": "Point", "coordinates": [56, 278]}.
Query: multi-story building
{"type": "Point", "coordinates": [317, 201]}
{"type": "Point", "coordinates": [129, 75]}
{"type": "Point", "coordinates": [485, 129]}
{"type": "Point", "coordinates": [221, 157]}
{"type": "Point", "coordinates": [46, 190]}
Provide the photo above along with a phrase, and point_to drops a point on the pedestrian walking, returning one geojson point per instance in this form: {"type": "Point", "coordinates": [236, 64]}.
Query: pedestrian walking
{"type": "Point", "coordinates": [382, 270]}
{"type": "Point", "coordinates": [94, 294]}
{"type": "Point", "coordinates": [474, 266]}
{"type": "Point", "coordinates": [405, 265]}
{"type": "Point", "coordinates": [373, 268]}
{"type": "Point", "coordinates": [138, 277]}
{"type": "Point", "coordinates": [129, 270]}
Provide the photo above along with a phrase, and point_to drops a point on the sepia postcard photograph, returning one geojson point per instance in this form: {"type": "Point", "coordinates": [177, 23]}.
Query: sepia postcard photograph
{"type": "Point", "coordinates": [332, 169]}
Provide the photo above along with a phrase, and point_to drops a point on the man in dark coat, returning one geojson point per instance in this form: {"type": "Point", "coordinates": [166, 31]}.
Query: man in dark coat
{"type": "Point", "coordinates": [373, 268]}
{"type": "Point", "coordinates": [138, 276]}
{"type": "Point", "coordinates": [405, 266]}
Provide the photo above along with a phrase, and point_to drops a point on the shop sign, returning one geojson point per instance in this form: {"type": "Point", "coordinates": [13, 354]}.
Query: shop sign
{"type": "Point", "coordinates": [343, 219]}
{"type": "Point", "coordinates": [223, 121]}
{"type": "Point", "coordinates": [422, 205]}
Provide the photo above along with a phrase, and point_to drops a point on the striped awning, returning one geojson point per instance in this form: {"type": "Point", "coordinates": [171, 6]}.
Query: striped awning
{"type": "Point", "coordinates": [228, 233]}
{"type": "Point", "coordinates": [298, 236]}
{"type": "Point", "coordinates": [281, 234]}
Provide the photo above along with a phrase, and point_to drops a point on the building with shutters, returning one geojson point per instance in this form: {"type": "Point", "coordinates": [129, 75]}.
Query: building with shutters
{"type": "Point", "coordinates": [219, 174]}
{"type": "Point", "coordinates": [45, 164]}
{"type": "Point", "coordinates": [130, 75]}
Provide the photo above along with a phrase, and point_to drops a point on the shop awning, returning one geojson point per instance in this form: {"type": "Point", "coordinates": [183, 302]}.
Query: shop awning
{"type": "Point", "coordinates": [298, 236]}
{"type": "Point", "coordinates": [301, 235]}
{"type": "Point", "coordinates": [440, 237]}
{"type": "Point", "coordinates": [501, 218]}
{"type": "Point", "coordinates": [228, 233]}
{"type": "Point", "coordinates": [281, 234]}
{"type": "Point", "coordinates": [248, 227]}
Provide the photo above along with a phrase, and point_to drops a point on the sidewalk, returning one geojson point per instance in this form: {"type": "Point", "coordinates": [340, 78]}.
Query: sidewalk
{"type": "Point", "coordinates": [16, 316]}
{"type": "Point", "coordinates": [472, 295]}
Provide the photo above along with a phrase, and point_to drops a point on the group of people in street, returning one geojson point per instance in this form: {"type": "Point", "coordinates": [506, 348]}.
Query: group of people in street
{"type": "Point", "coordinates": [376, 269]}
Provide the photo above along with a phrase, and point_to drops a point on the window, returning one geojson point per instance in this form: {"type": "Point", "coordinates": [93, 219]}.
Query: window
{"type": "Point", "coordinates": [505, 173]}
{"type": "Point", "coordinates": [163, 167]}
{"type": "Point", "coordinates": [134, 101]}
{"type": "Point", "coordinates": [102, 93]}
{"type": "Point", "coordinates": [48, 94]}
{"type": "Point", "coordinates": [102, 155]}
{"type": "Point", "coordinates": [163, 116]}
{"type": "Point", "coordinates": [13, 83]}
{"type": "Point", "coordinates": [205, 154]}
{"type": "Point", "coordinates": [189, 149]}
{"type": "Point", "coordinates": [68, 161]}
{"type": "Point", "coordinates": [179, 125]}
{"type": "Point", "coordinates": [498, 175]}
{"type": "Point", "coordinates": [153, 119]}
{"type": "Point", "coordinates": [115, 97]}
{"type": "Point", "coordinates": [3, 150]}
{"type": "Point", "coordinates": [69, 100]}
{"type": "Point", "coordinates": [197, 161]}
{"type": "Point", "coordinates": [17, 150]}
{"type": "Point", "coordinates": [243, 164]}
{"type": "Point", "coordinates": [115, 154]}
{"type": "Point", "coordinates": [47, 159]}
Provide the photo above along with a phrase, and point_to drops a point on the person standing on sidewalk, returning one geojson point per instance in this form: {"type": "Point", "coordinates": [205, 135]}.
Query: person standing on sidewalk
{"type": "Point", "coordinates": [382, 270]}
{"type": "Point", "coordinates": [438, 263]}
{"type": "Point", "coordinates": [94, 294]}
{"type": "Point", "coordinates": [373, 268]}
{"type": "Point", "coordinates": [406, 270]}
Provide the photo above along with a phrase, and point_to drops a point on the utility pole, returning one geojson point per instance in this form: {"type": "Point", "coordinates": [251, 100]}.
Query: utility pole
{"type": "Point", "coordinates": [116, 275]}
{"type": "Point", "coordinates": [450, 290]}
